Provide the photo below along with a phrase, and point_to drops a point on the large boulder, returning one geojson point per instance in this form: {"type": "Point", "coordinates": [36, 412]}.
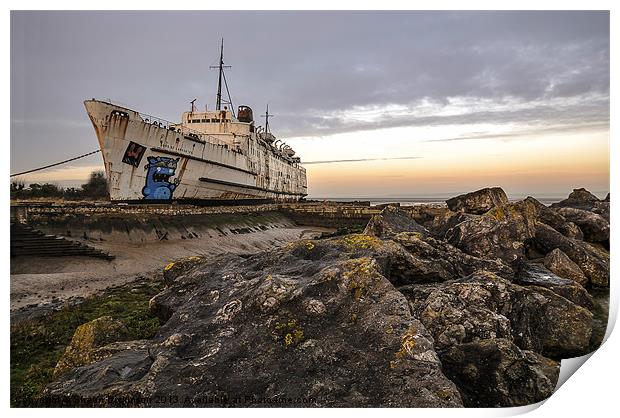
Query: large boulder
{"type": "Point", "coordinates": [559, 263]}
{"type": "Point", "coordinates": [87, 341]}
{"type": "Point", "coordinates": [327, 329]}
{"type": "Point", "coordinates": [547, 215]}
{"type": "Point", "coordinates": [595, 228]}
{"type": "Point", "coordinates": [478, 202]}
{"type": "Point", "coordinates": [584, 200]}
{"type": "Point", "coordinates": [493, 336]}
{"type": "Point", "coordinates": [498, 234]}
{"type": "Point", "coordinates": [555, 220]}
{"type": "Point", "coordinates": [496, 373]}
{"type": "Point", "coordinates": [182, 266]}
{"type": "Point", "coordinates": [582, 195]}
{"type": "Point", "coordinates": [549, 324]}
{"type": "Point", "coordinates": [442, 261]}
{"type": "Point", "coordinates": [485, 306]}
{"type": "Point", "coordinates": [442, 223]}
{"type": "Point", "coordinates": [531, 274]}
{"type": "Point", "coordinates": [406, 258]}
{"type": "Point", "coordinates": [571, 230]}
{"type": "Point", "coordinates": [592, 261]}
{"type": "Point", "coordinates": [392, 220]}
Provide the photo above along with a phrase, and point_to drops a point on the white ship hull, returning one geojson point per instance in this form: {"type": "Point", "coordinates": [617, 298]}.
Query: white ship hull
{"type": "Point", "coordinates": [152, 161]}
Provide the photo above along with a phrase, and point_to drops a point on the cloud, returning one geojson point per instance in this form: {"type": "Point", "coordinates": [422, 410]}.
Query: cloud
{"type": "Point", "coordinates": [321, 72]}
{"type": "Point", "coordinates": [542, 114]}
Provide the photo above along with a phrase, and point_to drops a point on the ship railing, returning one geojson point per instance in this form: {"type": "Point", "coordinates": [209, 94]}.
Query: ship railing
{"type": "Point", "coordinates": [166, 124]}
{"type": "Point", "coordinates": [154, 120]}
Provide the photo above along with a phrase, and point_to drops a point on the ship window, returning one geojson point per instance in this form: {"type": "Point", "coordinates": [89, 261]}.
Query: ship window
{"type": "Point", "coordinates": [205, 121]}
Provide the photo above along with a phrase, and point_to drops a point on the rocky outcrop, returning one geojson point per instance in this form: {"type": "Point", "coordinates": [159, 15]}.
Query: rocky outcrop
{"type": "Point", "coordinates": [559, 263]}
{"type": "Point", "coordinates": [398, 316]}
{"type": "Point", "coordinates": [317, 327]}
{"type": "Point", "coordinates": [498, 234]}
{"type": "Point", "coordinates": [392, 220]}
{"type": "Point", "coordinates": [478, 202]}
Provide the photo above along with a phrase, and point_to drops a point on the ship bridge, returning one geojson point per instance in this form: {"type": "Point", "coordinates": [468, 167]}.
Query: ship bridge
{"type": "Point", "coordinates": [217, 122]}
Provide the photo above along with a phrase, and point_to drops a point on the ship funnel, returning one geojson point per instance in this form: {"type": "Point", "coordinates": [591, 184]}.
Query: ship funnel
{"type": "Point", "coordinates": [244, 114]}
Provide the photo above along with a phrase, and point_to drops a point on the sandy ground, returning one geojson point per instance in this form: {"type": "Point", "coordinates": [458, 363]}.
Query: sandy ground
{"type": "Point", "coordinates": [45, 280]}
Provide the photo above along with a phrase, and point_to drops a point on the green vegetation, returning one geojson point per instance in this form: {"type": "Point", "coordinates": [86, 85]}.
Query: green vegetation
{"type": "Point", "coordinates": [95, 188]}
{"type": "Point", "coordinates": [37, 344]}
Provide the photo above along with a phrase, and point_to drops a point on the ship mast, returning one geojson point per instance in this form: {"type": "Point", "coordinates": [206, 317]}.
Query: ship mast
{"type": "Point", "coordinates": [222, 76]}
{"type": "Point", "coordinates": [266, 116]}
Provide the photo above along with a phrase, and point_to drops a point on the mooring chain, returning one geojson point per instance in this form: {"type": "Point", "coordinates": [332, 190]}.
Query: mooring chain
{"type": "Point", "coordinates": [55, 164]}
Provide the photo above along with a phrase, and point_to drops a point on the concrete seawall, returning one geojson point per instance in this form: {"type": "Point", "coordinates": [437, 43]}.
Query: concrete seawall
{"type": "Point", "coordinates": [142, 223]}
{"type": "Point", "coordinates": [142, 240]}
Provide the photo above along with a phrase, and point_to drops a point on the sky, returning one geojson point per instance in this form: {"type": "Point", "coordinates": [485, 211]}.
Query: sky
{"type": "Point", "coordinates": [432, 103]}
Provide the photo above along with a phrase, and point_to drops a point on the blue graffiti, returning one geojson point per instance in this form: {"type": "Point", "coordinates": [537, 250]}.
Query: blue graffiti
{"type": "Point", "coordinates": [159, 171]}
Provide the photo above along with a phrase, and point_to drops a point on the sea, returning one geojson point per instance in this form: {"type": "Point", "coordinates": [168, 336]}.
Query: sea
{"type": "Point", "coordinates": [428, 200]}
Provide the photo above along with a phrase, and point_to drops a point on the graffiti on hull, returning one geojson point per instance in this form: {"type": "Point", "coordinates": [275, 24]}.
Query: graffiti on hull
{"type": "Point", "coordinates": [159, 171]}
{"type": "Point", "coordinates": [133, 154]}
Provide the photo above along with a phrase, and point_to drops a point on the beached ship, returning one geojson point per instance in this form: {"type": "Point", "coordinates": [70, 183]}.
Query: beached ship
{"type": "Point", "coordinates": [210, 156]}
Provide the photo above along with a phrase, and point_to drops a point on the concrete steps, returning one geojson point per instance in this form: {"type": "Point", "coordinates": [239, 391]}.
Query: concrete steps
{"type": "Point", "coordinates": [27, 241]}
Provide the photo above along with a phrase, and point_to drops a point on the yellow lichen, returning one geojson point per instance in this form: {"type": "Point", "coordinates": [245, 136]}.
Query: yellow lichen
{"type": "Point", "coordinates": [294, 337]}
{"type": "Point", "coordinates": [444, 393]}
{"type": "Point", "coordinates": [290, 331]}
{"type": "Point", "coordinates": [407, 343]}
{"type": "Point", "coordinates": [360, 276]}
{"type": "Point", "coordinates": [169, 266]}
{"type": "Point", "coordinates": [360, 241]}
{"type": "Point", "coordinates": [501, 213]}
